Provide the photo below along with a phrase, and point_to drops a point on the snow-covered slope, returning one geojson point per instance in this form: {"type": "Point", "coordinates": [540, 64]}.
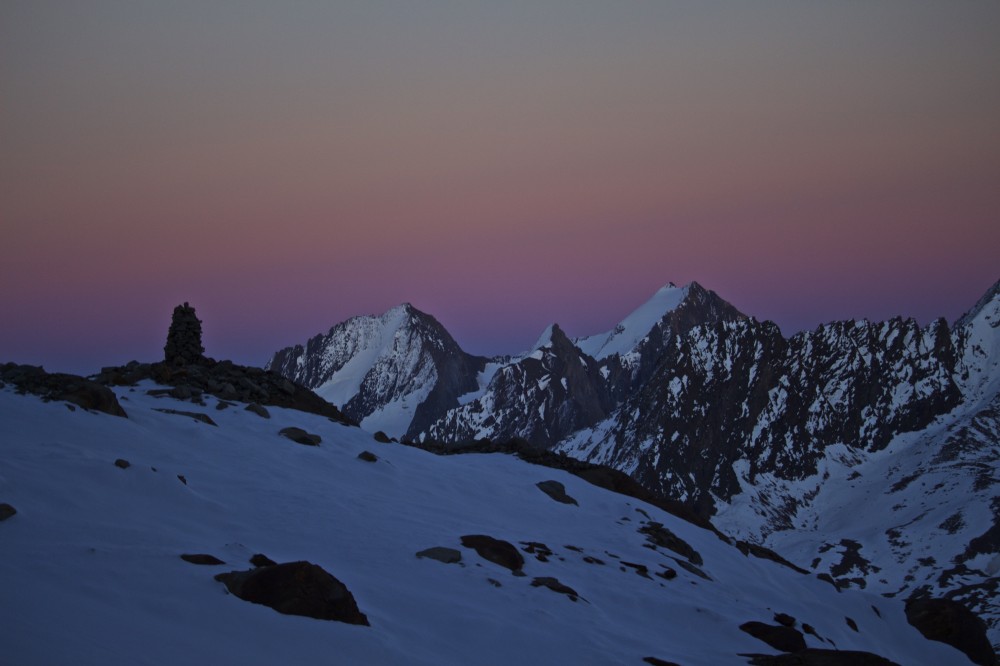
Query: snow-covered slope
{"type": "Point", "coordinates": [91, 573]}
{"type": "Point", "coordinates": [392, 372]}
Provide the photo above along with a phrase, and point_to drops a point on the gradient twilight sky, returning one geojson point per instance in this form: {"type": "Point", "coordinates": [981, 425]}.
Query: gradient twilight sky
{"type": "Point", "coordinates": [501, 165]}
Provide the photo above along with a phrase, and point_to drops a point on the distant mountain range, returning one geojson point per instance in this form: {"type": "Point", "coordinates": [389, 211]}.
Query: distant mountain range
{"type": "Point", "coordinates": [864, 450]}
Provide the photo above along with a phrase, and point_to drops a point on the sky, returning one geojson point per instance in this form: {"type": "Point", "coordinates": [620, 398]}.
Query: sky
{"type": "Point", "coordinates": [499, 165]}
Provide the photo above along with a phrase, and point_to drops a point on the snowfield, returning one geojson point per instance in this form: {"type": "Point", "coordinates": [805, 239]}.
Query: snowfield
{"type": "Point", "coordinates": [90, 567]}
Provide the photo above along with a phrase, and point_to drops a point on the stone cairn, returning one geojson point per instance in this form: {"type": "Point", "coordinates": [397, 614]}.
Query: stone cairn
{"type": "Point", "coordinates": [184, 338]}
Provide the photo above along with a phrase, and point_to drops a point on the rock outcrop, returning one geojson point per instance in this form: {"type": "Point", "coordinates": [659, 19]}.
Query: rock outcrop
{"type": "Point", "coordinates": [59, 386]}
{"type": "Point", "coordinates": [296, 588]}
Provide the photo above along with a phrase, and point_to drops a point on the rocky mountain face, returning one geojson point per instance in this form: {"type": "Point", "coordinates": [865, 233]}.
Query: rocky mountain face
{"type": "Point", "coordinates": [737, 391]}
{"type": "Point", "coordinates": [867, 451]}
{"type": "Point", "coordinates": [542, 397]}
{"type": "Point", "coordinates": [564, 386]}
{"type": "Point", "coordinates": [396, 372]}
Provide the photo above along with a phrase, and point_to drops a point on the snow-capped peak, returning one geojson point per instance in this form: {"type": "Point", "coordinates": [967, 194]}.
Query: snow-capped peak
{"type": "Point", "coordinates": [545, 339]}
{"type": "Point", "coordinates": [626, 335]}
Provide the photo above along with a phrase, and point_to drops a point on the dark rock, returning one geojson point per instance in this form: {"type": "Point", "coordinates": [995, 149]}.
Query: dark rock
{"type": "Point", "coordinates": [201, 558]}
{"type": "Point", "coordinates": [687, 566]}
{"type": "Point", "coordinates": [258, 410]}
{"type": "Point", "coordinates": [222, 404]}
{"type": "Point", "coordinates": [541, 552]}
{"type": "Point", "coordinates": [182, 479]}
{"type": "Point", "coordinates": [6, 511]}
{"type": "Point", "coordinates": [658, 662]}
{"type": "Point", "coordinates": [122, 463]}
{"type": "Point", "coordinates": [182, 392]}
{"type": "Point", "coordinates": [952, 623]}
{"type": "Point", "coordinates": [63, 387]}
{"type": "Point", "coordinates": [763, 553]}
{"type": "Point", "coordinates": [784, 619]}
{"type": "Point", "coordinates": [367, 456]}
{"type": "Point", "coordinates": [779, 637]}
{"type": "Point", "coordinates": [197, 416]}
{"type": "Point", "coordinates": [261, 560]}
{"type": "Point", "coordinates": [296, 588]}
{"type": "Point", "coordinates": [554, 585]}
{"type": "Point", "coordinates": [820, 657]}
{"type": "Point", "coordinates": [442, 554]}
{"type": "Point", "coordinates": [495, 550]}
{"type": "Point", "coordinates": [381, 437]}
{"type": "Point", "coordinates": [851, 623]}
{"type": "Point", "coordinates": [592, 560]}
{"type": "Point", "coordinates": [227, 382]}
{"type": "Point", "coordinates": [300, 436]}
{"type": "Point", "coordinates": [829, 579]}
{"type": "Point", "coordinates": [667, 574]}
{"type": "Point", "coordinates": [556, 491]}
{"type": "Point", "coordinates": [659, 535]}
{"type": "Point", "coordinates": [184, 338]}
{"type": "Point", "coordinates": [640, 569]}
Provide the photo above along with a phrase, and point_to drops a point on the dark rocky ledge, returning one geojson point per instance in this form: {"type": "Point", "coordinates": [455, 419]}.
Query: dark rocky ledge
{"type": "Point", "coordinates": [224, 380]}
{"type": "Point", "coordinates": [59, 386]}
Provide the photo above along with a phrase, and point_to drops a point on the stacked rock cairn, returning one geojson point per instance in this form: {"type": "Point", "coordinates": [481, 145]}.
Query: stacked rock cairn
{"type": "Point", "coordinates": [184, 338]}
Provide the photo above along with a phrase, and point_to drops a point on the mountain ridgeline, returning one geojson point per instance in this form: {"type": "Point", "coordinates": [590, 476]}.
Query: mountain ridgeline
{"type": "Point", "coordinates": [867, 450]}
{"type": "Point", "coordinates": [677, 393]}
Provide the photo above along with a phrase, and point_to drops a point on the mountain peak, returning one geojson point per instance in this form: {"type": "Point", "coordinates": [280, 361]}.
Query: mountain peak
{"type": "Point", "coordinates": [627, 334]}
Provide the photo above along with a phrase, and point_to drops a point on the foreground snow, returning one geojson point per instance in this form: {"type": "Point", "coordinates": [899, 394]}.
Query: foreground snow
{"type": "Point", "coordinates": [91, 574]}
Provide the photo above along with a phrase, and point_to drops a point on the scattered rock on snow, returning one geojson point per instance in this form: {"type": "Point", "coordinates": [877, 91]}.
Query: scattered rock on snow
{"type": "Point", "coordinates": [495, 550]}
{"type": "Point", "coordinates": [367, 456]}
{"type": "Point", "coordinates": [554, 585]}
{"type": "Point", "coordinates": [556, 491]}
{"type": "Point", "coordinates": [201, 558]}
{"type": "Point", "coordinates": [658, 535]}
{"type": "Point", "coordinates": [198, 416]}
{"type": "Point", "coordinates": [442, 554]}
{"type": "Point", "coordinates": [300, 436]}
{"type": "Point", "coordinates": [6, 511]}
{"type": "Point", "coordinates": [296, 588]}
{"type": "Point", "coordinates": [784, 619]}
{"type": "Point", "coordinates": [779, 637]}
{"type": "Point", "coordinates": [658, 662]}
{"type": "Point", "coordinates": [381, 437]}
{"type": "Point", "coordinates": [122, 463]}
{"type": "Point", "coordinates": [259, 410]}
{"type": "Point", "coordinates": [541, 552]}
{"type": "Point", "coordinates": [261, 560]}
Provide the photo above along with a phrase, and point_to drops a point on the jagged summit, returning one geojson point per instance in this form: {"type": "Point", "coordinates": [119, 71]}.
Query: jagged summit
{"type": "Point", "coordinates": [390, 372]}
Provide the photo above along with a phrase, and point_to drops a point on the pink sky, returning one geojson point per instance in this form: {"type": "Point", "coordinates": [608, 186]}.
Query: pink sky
{"type": "Point", "coordinates": [501, 167]}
